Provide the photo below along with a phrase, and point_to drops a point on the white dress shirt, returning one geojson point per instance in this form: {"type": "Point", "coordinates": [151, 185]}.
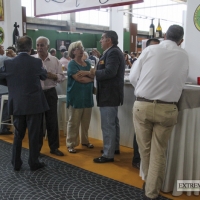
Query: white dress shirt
{"type": "Point", "coordinates": [64, 61]}
{"type": "Point", "coordinates": [160, 72]}
{"type": "Point", "coordinates": [53, 65]}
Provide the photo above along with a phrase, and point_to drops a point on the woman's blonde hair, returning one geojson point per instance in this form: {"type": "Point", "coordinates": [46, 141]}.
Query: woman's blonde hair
{"type": "Point", "coordinates": [73, 46]}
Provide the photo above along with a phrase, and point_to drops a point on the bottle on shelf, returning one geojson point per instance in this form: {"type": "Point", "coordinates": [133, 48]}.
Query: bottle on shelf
{"type": "Point", "coordinates": [151, 29]}
{"type": "Point", "coordinates": [159, 30]}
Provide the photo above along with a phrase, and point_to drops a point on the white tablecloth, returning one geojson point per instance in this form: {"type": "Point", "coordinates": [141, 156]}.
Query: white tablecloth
{"type": "Point", "coordinates": [183, 153]}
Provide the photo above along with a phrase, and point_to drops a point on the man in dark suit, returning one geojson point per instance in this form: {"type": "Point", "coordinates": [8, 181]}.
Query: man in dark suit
{"type": "Point", "coordinates": [26, 101]}
{"type": "Point", "coordinates": [110, 93]}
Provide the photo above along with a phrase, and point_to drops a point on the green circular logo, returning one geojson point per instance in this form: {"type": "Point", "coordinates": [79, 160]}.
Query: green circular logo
{"type": "Point", "coordinates": [197, 18]}
{"type": "Point", "coordinates": [1, 35]}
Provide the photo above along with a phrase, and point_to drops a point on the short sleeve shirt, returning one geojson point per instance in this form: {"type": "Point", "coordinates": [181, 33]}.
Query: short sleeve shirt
{"type": "Point", "coordinates": [79, 95]}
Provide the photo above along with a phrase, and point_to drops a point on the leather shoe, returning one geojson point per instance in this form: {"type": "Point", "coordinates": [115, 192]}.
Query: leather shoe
{"type": "Point", "coordinates": [57, 152]}
{"type": "Point", "coordinates": [103, 160]}
{"type": "Point", "coordinates": [147, 198]}
{"type": "Point", "coordinates": [41, 155]}
{"type": "Point", "coordinates": [143, 186]}
{"type": "Point", "coordinates": [6, 133]}
{"type": "Point", "coordinates": [117, 152]}
{"type": "Point", "coordinates": [17, 168]}
{"type": "Point", "coordinates": [136, 165]}
{"type": "Point", "coordinates": [37, 166]}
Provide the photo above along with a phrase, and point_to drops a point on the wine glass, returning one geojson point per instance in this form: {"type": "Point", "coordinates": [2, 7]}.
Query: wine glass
{"type": "Point", "coordinates": [92, 64]}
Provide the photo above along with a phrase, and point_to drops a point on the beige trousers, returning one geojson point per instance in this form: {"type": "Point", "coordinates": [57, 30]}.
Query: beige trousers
{"type": "Point", "coordinates": [153, 126]}
{"type": "Point", "coordinates": [78, 117]}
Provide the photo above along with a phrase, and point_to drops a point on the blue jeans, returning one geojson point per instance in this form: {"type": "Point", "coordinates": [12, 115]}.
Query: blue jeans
{"type": "Point", "coordinates": [110, 129]}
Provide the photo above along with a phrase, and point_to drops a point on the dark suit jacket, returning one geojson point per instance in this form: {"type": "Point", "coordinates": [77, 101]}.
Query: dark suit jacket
{"type": "Point", "coordinates": [23, 74]}
{"type": "Point", "coordinates": [110, 78]}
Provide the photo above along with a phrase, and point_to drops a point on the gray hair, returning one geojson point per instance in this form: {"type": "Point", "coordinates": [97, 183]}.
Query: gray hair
{"type": "Point", "coordinates": [175, 33]}
{"type": "Point", "coordinates": [86, 54]}
{"type": "Point", "coordinates": [52, 50]}
{"type": "Point", "coordinates": [24, 44]}
{"type": "Point", "coordinates": [72, 47]}
{"type": "Point", "coordinates": [43, 38]}
{"type": "Point", "coordinates": [65, 54]}
{"type": "Point", "coordinates": [112, 35]}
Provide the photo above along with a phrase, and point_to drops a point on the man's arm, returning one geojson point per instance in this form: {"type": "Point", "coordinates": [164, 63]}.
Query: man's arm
{"type": "Point", "coordinates": [59, 75]}
{"type": "Point", "coordinates": [135, 72]}
{"type": "Point", "coordinates": [112, 64]}
{"type": "Point", "coordinates": [3, 76]}
{"type": "Point", "coordinates": [43, 75]}
{"type": "Point", "coordinates": [43, 71]}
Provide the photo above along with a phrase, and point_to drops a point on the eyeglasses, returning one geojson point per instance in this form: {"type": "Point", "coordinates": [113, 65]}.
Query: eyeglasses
{"type": "Point", "coordinates": [80, 48]}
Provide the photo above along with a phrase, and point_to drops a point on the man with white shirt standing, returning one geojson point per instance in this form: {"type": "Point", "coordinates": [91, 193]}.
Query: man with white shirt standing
{"type": "Point", "coordinates": [54, 76]}
{"type": "Point", "coordinates": [158, 76]}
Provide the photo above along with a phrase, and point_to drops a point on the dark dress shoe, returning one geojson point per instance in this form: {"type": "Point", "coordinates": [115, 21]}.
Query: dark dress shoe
{"type": "Point", "coordinates": [6, 133]}
{"type": "Point", "coordinates": [117, 152]}
{"type": "Point", "coordinates": [41, 155]}
{"type": "Point", "coordinates": [103, 160]}
{"type": "Point", "coordinates": [147, 198]}
{"type": "Point", "coordinates": [57, 152]}
{"type": "Point", "coordinates": [136, 165]}
{"type": "Point", "coordinates": [143, 187]}
{"type": "Point", "coordinates": [17, 168]}
{"type": "Point", "coordinates": [37, 166]}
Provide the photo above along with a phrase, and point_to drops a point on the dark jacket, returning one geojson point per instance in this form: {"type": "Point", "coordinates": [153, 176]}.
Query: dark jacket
{"type": "Point", "coordinates": [23, 74]}
{"type": "Point", "coordinates": [110, 78]}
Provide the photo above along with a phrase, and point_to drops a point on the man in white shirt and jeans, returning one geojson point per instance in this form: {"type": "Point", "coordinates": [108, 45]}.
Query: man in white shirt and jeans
{"type": "Point", "coordinates": [158, 76]}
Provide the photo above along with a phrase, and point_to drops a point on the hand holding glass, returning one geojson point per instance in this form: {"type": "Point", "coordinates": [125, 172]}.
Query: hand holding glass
{"type": "Point", "coordinates": [92, 63]}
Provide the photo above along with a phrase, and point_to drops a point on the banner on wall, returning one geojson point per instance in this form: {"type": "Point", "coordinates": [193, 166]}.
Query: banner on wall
{"type": "Point", "coordinates": [52, 7]}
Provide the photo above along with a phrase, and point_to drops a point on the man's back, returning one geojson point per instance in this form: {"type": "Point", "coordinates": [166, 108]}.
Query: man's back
{"type": "Point", "coordinates": [23, 74]}
{"type": "Point", "coordinates": [164, 69]}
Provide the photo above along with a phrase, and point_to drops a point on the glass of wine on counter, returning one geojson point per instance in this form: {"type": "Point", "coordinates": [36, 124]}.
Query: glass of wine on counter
{"type": "Point", "coordinates": [126, 76]}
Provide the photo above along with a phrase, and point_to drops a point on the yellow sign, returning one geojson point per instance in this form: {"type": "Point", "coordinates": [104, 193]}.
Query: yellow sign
{"type": "Point", "coordinates": [1, 35]}
{"type": "Point", "coordinates": [1, 11]}
{"type": "Point", "coordinates": [197, 18]}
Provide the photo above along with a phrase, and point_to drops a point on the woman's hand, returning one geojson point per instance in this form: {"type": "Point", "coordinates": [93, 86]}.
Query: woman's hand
{"type": "Point", "coordinates": [10, 53]}
{"type": "Point", "coordinates": [97, 53]}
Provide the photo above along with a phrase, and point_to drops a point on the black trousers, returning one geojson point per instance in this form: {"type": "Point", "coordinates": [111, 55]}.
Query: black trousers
{"type": "Point", "coordinates": [34, 125]}
{"type": "Point", "coordinates": [51, 119]}
{"type": "Point", "coordinates": [136, 154]}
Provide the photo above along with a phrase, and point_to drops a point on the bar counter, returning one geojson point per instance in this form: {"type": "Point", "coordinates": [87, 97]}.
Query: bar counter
{"type": "Point", "coordinates": [124, 113]}
{"type": "Point", "coordinates": [125, 118]}
{"type": "Point", "coordinates": [183, 154]}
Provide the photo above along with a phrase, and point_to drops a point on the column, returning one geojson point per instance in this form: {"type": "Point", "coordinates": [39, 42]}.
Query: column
{"type": "Point", "coordinates": [12, 14]}
{"type": "Point", "coordinates": [116, 24]}
{"type": "Point", "coordinates": [192, 42]}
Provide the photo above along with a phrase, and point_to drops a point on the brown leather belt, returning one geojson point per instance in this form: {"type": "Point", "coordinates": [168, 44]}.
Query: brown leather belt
{"type": "Point", "coordinates": [154, 101]}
